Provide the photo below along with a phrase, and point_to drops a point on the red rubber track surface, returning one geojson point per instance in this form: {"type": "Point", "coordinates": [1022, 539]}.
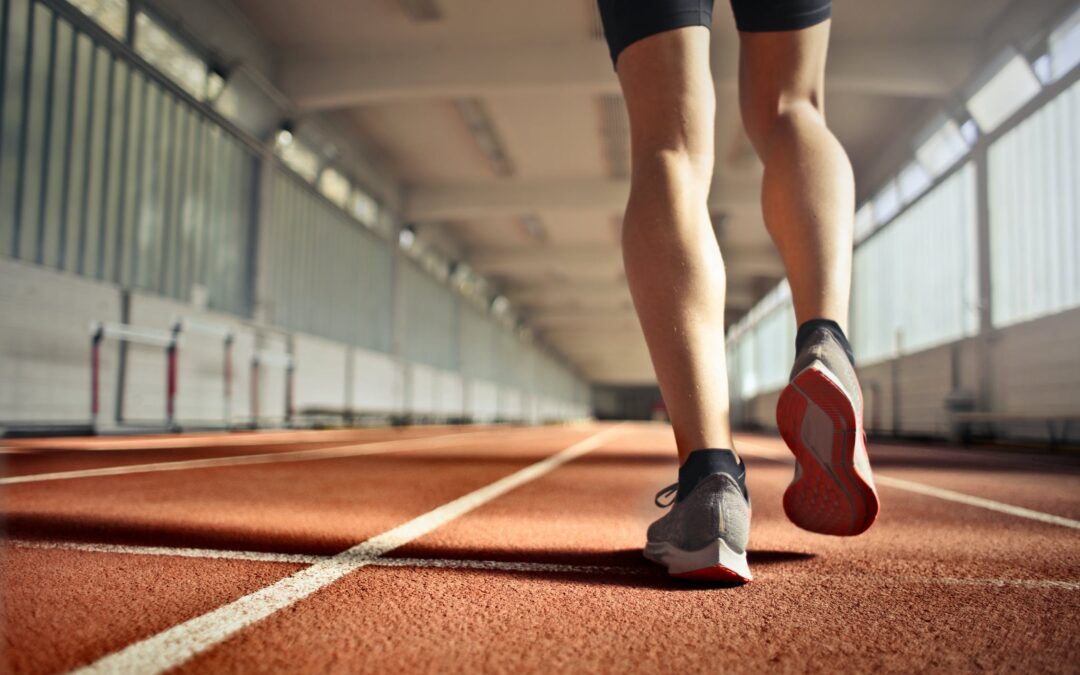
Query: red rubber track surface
{"type": "Point", "coordinates": [934, 585]}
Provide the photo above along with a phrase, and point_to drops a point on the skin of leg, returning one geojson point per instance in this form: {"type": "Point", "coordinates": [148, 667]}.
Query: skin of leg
{"type": "Point", "coordinates": [670, 253]}
{"type": "Point", "coordinates": [808, 190]}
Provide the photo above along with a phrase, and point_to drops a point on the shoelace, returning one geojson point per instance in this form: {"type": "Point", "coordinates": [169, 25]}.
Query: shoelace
{"type": "Point", "coordinates": [670, 491]}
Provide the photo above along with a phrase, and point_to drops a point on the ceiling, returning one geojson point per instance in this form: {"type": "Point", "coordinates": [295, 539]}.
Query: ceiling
{"type": "Point", "coordinates": [504, 125]}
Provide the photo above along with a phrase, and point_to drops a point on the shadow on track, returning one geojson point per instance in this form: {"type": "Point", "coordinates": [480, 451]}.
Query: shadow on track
{"type": "Point", "coordinates": [621, 567]}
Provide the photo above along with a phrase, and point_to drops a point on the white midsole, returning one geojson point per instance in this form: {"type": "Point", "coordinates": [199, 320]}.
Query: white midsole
{"type": "Point", "coordinates": [679, 561]}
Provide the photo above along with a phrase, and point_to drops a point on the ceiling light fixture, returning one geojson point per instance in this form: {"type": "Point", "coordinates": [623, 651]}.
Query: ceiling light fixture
{"type": "Point", "coordinates": [483, 132]}
{"type": "Point", "coordinates": [407, 237]}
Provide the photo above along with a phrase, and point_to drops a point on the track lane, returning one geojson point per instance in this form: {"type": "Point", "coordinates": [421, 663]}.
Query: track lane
{"type": "Point", "coordinates": [927, 588]}
{"type": "Point", "coordinates": [47, 459]}
{"type": "Point", "coordinates": [934, 586]}
{"type": "Point", "coordinates": [318, 506]}
{"type": "Point", "coordinates": [182, 642]}
{"type": "Point", "coordinates": [301, 507]}
{"type": "Point", "coordinates": [67, 608]}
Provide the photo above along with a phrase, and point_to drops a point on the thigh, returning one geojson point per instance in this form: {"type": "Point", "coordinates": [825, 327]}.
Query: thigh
{"type": "Point", "coordinates": [628, 21]}
{"type": "Point", "coordinates": [778, 70]}
{"type": "Point", "coordinates": [782, 45]}
{"type": "Point", "coordinates": [669, 93]}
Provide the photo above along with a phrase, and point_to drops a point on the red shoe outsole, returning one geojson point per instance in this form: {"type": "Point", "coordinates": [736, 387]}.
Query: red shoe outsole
{"type": "Point", "coordinates": [827, 498]}
{"type": "Point", "coordinates": [716, 573]}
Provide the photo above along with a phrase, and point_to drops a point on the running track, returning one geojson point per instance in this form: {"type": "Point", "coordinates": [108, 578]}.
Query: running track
{"type": "Point", "coordinates": [497, 549]}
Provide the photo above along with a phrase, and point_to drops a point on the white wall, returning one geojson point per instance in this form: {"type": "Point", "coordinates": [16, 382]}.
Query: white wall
{"type": "Point", "coordinates": [321, 373]}
{"type": "Point", "coordinates": [45, 319]}
{"type": "Point", "coordinates": [483, 400]}
{"type": "Point", "coordinates": [378, 382]}
{"type": "Point", "coordinates": [45, 330]}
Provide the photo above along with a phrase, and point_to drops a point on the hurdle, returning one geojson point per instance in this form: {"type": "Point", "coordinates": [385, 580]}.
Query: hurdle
{"type": "Point", "coordinates": [187, 326]}
{"type": "Point", "coordinates": [151, 337]}
{"type": "Point", "coordinates": [269, 358]}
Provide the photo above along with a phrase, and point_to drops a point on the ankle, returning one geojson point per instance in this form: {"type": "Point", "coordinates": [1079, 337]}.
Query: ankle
{"type": "Point", "coordinates": [807, 328]}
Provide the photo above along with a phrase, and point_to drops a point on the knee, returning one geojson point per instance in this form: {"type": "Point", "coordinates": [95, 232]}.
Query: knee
{"type": "Point", "coordinates": [683, 170]}
{"type": "Point", "coordinates": [766, 119]}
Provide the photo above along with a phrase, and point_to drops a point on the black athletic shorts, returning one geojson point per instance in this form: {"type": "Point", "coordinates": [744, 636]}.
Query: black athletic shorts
{"type": "Point", "coordinates": [627, 21]}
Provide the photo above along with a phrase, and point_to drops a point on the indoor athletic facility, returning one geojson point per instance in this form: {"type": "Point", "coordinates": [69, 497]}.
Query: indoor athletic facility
{"type": "Point", "coordinates": [318, 348]}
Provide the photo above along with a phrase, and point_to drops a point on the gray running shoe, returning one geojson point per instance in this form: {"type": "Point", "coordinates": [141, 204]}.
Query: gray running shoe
{"type": "Point", "coordinates": [704, 536]}
{"type": "Point", "coordinates": [820, 416]}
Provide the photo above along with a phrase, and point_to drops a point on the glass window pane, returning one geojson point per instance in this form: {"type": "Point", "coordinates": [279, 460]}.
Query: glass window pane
{"type": "Point", "coordinates": [334, 186]}
{"type": "Point", "coordinates": [149, 211]}
{"type": "Point", "coordinates": [169, 55]}
{"type": "Point", "coordinates": [109, 14]}
{"type": "Point", "coordinates": [56, 163]}
{"type": "Point", "coordinates": [77, 147]}
{"type": "Point", "coordinates": [297, 156]}
{"type": "Point", "coordinates": [131, 176]}
{"type": "Point", "coordinates": [28, 195]}
{"type": "Point", "coordinates": [912, 182]}
{"type": "Point", "coordinates": [943, 148]}
{"type": "Point", "coordinates": [915, 281]}
{"type": "Point", "coordinates": [1065, 46]}
{"type": "Point", "coordinates": [887, 203]}
{"type": "Point", "coordinates": [118, 123]}
{"type": "Point", "coordinates": [1034, 194]}
{"type": "Point", "coordinates": [11, 118]}
{"type": "Point", "coordinates": [1013, 85]}
{"type": "Point", "coordinates": [864, 221]}
{"type": "Point", "coordinates": [364, 208]}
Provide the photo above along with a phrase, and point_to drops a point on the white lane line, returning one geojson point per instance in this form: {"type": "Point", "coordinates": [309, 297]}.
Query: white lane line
{"type": "Point", "coordinates": [990, 504]}
{"type": "Point", "coordinates": [930, 491]}
{"type": "Point", "coordinates": [311, 559]}
{"type": "Point", "coordinates": [180, 643]}
{"type": "Point", "coordinates": [187, 441]}
{"type": "Point", "coordinates": [353, 449]}
{"type": "Point", "coordinates": [1005, 583]}
{"type": "Point", "coordinates": [180, 552]}
{"type": "Point", "coordinates": [504, 566]}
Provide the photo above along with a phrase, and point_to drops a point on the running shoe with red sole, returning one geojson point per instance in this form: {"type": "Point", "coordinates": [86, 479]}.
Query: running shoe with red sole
{"type": "Point", "coordinates": [820, 418]}
{"type": "Point", "coordinates": [704, 535]}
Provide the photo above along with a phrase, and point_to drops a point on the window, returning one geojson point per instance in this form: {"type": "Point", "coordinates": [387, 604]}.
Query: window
{"type": "Point", "coordinates": [886, 203]}
{"type": "Point", "coordinates": [915, 283]}
{"type": "Point", "coordinates": [864, 221]}
{"type": "Point", "coordinates": [334, 186]}
{"type": "Point", "coordinates": [297, 156]}
{"type": "Point", "coordinates": [109, 14]}
{"type": "Point", "coordinates": [1035, 213]}
{"type": "Point", "coordinates": [1007, 90]}
{"type": "Point", "coordinates": [913, 181]}
{"type": "Point", "coordinates": [364, 208]}
{"type": "Point", "coordinates": [1064, 46]}
{"type": "Point", "coordinates": [943, 147]}
{"type": "Point", "coordinates": [169, 55]}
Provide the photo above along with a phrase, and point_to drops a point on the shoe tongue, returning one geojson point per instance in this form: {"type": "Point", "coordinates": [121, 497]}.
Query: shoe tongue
{"type": "Point", "coordinates": [706, 462]}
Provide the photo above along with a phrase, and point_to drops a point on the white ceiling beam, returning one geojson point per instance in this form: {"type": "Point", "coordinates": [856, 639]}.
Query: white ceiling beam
{"type": "Point", "coordinates": [523, 258]}
{"type": "Point", "coordinates": [503, 199]}
{"type": "Point", "coordinates": [879, 67]}
{"type": "Point", "coordinates": [586, 291]}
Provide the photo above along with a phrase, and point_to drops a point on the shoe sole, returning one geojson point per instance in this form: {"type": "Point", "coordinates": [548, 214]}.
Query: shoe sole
{"type": "Point", "coordinates": [818, 422]}
{"type": "Point", "coordinates": [715, 562]}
